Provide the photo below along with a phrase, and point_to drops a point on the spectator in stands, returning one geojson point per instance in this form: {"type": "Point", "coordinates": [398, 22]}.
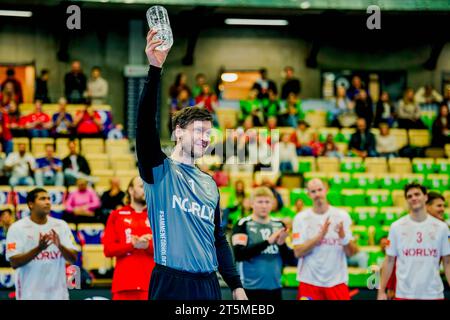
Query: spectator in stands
{"type": "Point", "coordinates": [362, 142]}
{"type": "Point", "coordinates": [315, 145]}
{"type": "Point", "coordinates": [6, 220]}
{"type": "Point", "coordinates": [41, 89]}
{"type": "Point", "coordinates": [200, 81]}
{"type": "Point", "coordinates": [75, 84]}
{"type": "Point", "coordinates": [208, 100]}
{"type": "Point", "coordinates": [220, 176]}
{"type": "Point", "coordinates": [385, 110]}
{"type": "Point", "coordinates": [62, 121]}
{"type": "Point", "coordinates": [179, 84]}
{"type": "Point", "coordinates": [248, 124]}
{"type": "Point", "coordinates": [355, 87]}
{"type": "Point", "coordinates": [49, 169]}
{"type": "Point", "coordinates": [5, 133]}
{"type": "Point", "coordinates": [409, 112]}
{"type": "Point", "coordinates": [97, 87]}
{"type": "Point", "coordinates": [291, 111]}
{"type": "Point", "coordinates": [447, 96]}
{"type": "Point", "coordinates": [88, 123]}
{"type": "Point", "coordinates": [263, 85]}
{"type": "Point", "coordinates": [386, 142]}
{"type": "Point", "coordinates": [287, 154]}
{"type": "Point", "coordinates": [363, 107]}
{"type": "Point", "coordinates": [290, 84]}
{"type": "Point", "coordinates": [8, 95]}
{"type": "Point", "coordinates": [75, 165]}
{"type": "Point", "coordinates": [10, 78]}
{"type": "Point", "coordinates": [271, 106]}
{"type": "Point", "coordinates": [112, 199]}
{"type": "Point", "coordinates": [81, 204]}
{"type": "Point", "coordinates": [427, 95]}
{"type": "Point", "coordinates": [116, 133]}
{"type": "Point", "coordinates": [38, 123]}
{"type": "Point", "coordinates": [330, 148]}
{"type": "Point", "coordinates": [4, 179]}
{"type": "Point", "coordinates": [441, 127]}
{"type": "Point", "coordinates": [22, 165]}
{"type": "Point", "coordinates": [252, 107]}
{"type": "Point", "coordinates": [301, 137]}
{"type": "Point", "coordinates": [183, 100]}
{"type": "Point", "coordinates": [344, 109]}
{"type": "Point", "coordinates": [16, 121]}
{"type": "Point", "coordinates": [272, 123]}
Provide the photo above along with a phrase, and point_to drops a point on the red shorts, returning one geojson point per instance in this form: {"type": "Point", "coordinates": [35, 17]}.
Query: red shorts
{"type": "Point", "coordinates": [311, 292]}
{"type": "Point", "coordinates": [130, 295]}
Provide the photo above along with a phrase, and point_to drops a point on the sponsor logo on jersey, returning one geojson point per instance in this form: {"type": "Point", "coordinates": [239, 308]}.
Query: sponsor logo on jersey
{"type": "Point", "coordinates": [420, 252]}
{"type": "Point", "coordinates": [11, 246]}
{"type": "Point", "coordinates": [201, 211]}
{"type": "Point", "coordinates": [48, 255]}
{"type": "Point", "coordinates": [127, 221]}
{"type": "Point", "coordinates": [124, 212]}
{"type": "Point", "coordinates": [295, 236]}
{"type": "Point", "coordinates": [239, 239]}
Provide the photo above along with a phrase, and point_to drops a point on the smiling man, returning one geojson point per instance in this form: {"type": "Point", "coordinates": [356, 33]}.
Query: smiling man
{"type": "Point", "coordinates": [183, 202]}
{"type": "Point", "coordinates": [38, 247]}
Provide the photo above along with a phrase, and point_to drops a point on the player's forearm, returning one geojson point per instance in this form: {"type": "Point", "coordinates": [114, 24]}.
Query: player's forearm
{"type": "Point", "coordinates": [20, 260]}
{"type": "Point", "coordinates": [446, 261]}
{"type": "Point", "coordinates": [305, 248]}
{"type": "Point", "coordinates": [68, 254]}
{"type": "Point", "coordinates": [386, 272]}
{"type": "Point", "coordinates": [350, 249]}
{"type": "Point", "coordinates": [148, 146]}
{"type": "Point", "coordinates": [117, 249]}
{"type": "Point", "coordinates": [242, 253]}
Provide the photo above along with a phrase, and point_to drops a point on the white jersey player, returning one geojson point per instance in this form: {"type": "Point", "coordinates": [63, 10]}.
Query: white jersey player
{"type": "Point", "coordinates": [416, 244]}
{"type": "Point", "coordinates": [322, 238]}
{"type": "Point", "coordinates": [38, 248]}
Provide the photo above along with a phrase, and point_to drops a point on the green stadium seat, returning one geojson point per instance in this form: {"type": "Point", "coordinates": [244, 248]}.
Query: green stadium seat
{"type": "Point", "coordinates": [345, 134]}
{"type": "Point", "coordinates": [300, 194]}
{"type": "Point", "coordinates": [353, 198]}
{"type": "Point", "coordinates": [379, 198]}
{"type": "Point", "coordinates": [423, 165]}
{"type": "Point", "coordinates": [361, 235]}
{"type": "Point", "coordinates": [340, 180]}
{"type": "Point", "coordinates": [334, 197]}
{"type": "Point", "coordinates": [306, 164]}
{"type": "Point", "coordinates": [365, 180]}
{"type": "Point", "coordinates": [389, 215]}
{"type": "Point", "coordinates": [437, 182]}
{"type": "Point", "coordinates": [391, 181]}
{"type": "Point", "coordinates": [324, 132]}
{"type": "Point", "coordinates": [410, 177]}
{"type": "Point", "coordinates": [352, 165]}
{"type": "Point", "coordinates": [443, 166]}
{"type": "Point", "coordinates": [312, 175]}
{"type": "Point", "coordinates": [381, 232]}
{"type": "Point", "coordinates": [366, 216]}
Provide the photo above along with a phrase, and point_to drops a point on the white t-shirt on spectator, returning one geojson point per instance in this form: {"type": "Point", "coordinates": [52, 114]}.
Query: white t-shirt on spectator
{"type": "Point", "coordinates": [326, 264]}
{"type": "Point", "coordinates": [418, 247]}
{"type": "Point", "coordinates": [20, 164]}
{"type": "Point", "coordinates": [44, 277]}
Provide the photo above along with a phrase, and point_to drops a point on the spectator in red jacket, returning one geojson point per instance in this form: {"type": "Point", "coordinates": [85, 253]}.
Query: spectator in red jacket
{"type": "Point", "coordinates": [88, 123]}
{"type": "Point", "coordinates": [5, 133]}
{"type": "Point", "coordinates": [128, 238]}
{"type": "Point", "coordinates": [38, 123]}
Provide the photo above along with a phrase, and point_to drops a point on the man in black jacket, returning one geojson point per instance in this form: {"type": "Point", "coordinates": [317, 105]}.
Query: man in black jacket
{"type": "Point", "coordinates": [75, 83]}
{"type": "Point", "coordinates": [75, 166]}
{"type": "Point", "coordinates": [263, 85]}
{"type": "Point", "coordinates": [362, 142]}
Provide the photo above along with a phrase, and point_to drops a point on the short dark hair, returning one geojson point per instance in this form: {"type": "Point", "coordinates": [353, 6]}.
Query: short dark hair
{"type": "Point", "coordinates": [10, 72]}
{"type": "Point", "coordinates": [188, 115]}
{"type": "Point", "coordinates": [32, 195]}
{"type": "Point", "coordinates": [6, 210]}
{"type": "Point", "coordinates": [433, 195]}
{"type": "Point", "coordinates": [415, 185]}
{"type": "Point", "coordinates": [44, 72]}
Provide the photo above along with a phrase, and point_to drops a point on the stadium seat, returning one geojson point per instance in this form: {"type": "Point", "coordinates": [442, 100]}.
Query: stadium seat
{"type": "Point", "coordinates": [388, 215]}
{"type": "Point", "coordinates": [419, 137]}
{"type": "Point", "coordinates": [342, 147]}
{"type": "Point", "coordinates": [334, 197]}
{"type": "Point", "coordinates": [57, 194]}
{"type": "Point", "coordinates": [365, 180]}
{"type": "Point", "coordinates": [437, 182]}
{"type": "Point", "coordinates": [227, 117]}
{"type": "Point", "coordinates": [376, 165]}
{"type": "Point", "coordinates": [443, 166]}
{"type": "Point", "coordinates": [94, 258]}
{"type": "Point", "coordinates": [423, 165]}
{"type": "Point", "coordinates": [7, 278]}
{"type": "Point", "coordinates": [447, 150]}
{"type": "Point", "coordinates": [98, 161]}
{"type": "Point", "coordinates": [125, 177]}
{"type": "Point", "coordinates": [104, 176]}
{"type": "Point", "coordinates": [91, 233]}
{"type": "Point", "coordinates": [17, 141]}
{"type": "Point", "coordinates": [400, 165]}
{"type": "Point", "coordinates": [128, 161]}
{"type": "Point", "coordinates": [246, 177]}
{"type": "Point", "coordinates": [260, 176]}
{"type": "Point", "coordinates": [352, 165]}
{"type": "Point", "coordinates": [366, 216]}
{"type": "Point", "coordinates": [300, 194]}
{"type": "Point", "coordinates": [381, 232]}
{"type": "Point", "coordinates": [325, 131]}
{"type": "Point", "coordinates": [401, 137]}
{"type": "Point", "coordinates": [57, 211]}
{"type": "Point", "coordinates": [340, 180]}
{"type": "Point", "coordinates": [121, 146]}
{"type": "Point", "coordinates": [398, 198]}
{"type": "Point", "coordinates": [313, 175]}
{"type": "Point", "coordinates": [306, 164]}
{"type": "Point", "coordinates": [22, 211]}
{"type": "Point", "coordinates": [316, 119]}
{"type": "Point", "coordinates": [73, 229]}
{"type": "Point", "coordinates": [327, 164]}
{"type": "Point", "coordinates": [391, 181]}
{"type": "Point", "coordinates": [92, 145]}
{"type": "Point", "coordinates": [6, 195]}
{"type": "Point", "coordinates": [62, 150]}
{"type": "Point", "coordinates": [285, 195]}
{"type": "Point", "coordinates": [361, 235]}
{"type": "Point", "coordinates": [38, 146]}
{"type": "Point", "coordinates": [379, 198]}
{"type": "Point", "coordinates": [353, 198]}
{"type": "Point", "coordinates": [345, 134]}
{"type": "Point", "coordinates": [417, 177]}
{"type": "Point", "coordinates": [20, 194]}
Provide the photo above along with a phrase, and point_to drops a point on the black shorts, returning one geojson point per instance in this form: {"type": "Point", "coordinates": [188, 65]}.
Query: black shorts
{"type": "Point", "coordinates": [171, 284]}
{"type": "Point", "coordinates": [264, 295]}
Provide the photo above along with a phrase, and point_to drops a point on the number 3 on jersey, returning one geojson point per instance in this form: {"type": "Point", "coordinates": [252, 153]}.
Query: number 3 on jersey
{"type": "Point", "coordinates": [419, 237]}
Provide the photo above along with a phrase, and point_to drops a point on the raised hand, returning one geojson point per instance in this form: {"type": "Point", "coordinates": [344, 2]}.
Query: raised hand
{"type": "Point", "coordinates": [340, 230]}
{"type": "Point", "coordinates": [282, 238]}
{"type": "Point", "coordinates": [55, 238]}
{"type": "Point", "coordinates": [274, 236]}
{"type": "Point", "coordinates": [44, 241]}
{"type": "Point", "coordinates": [155, 57]}
{"type": "Point", "coordinates": [324, 230]}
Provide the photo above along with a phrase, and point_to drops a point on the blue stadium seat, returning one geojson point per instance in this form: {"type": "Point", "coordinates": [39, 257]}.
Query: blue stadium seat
{"type": "Point", "coordinates": [90, 233]}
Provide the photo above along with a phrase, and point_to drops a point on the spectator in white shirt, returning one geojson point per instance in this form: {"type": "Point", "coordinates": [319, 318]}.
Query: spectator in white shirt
{"type": "Point", "coordinates": [22, 164]}
{"type": "Point", "coordinates": [287, 153]}
{"type": "Point", "coordinates": [428, 95]}
{"type": "Point", "coordinates": [386, 143]}
{"type": "Point", "coordinates": [97, 87]}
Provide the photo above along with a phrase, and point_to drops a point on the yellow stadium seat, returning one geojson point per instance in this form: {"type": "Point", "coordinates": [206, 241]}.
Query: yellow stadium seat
{"type": "Point", "coordinates": [375, 131]}
{"type": "Point", "coordinates": [104, 177]}
{"type": "Point", "coordinates": [316, 119]}
{"type": "Point", "coordinates": [38, 145]}
{"type": "Point", "coordinates": [62, 149]}
{"type": "Point", "coordinates": [319, 175]}
{"type": "Point", "coordinates": [50, 108]}
{"type": "Point", "coordinates": [226, 117]}
{"type": "Point", "coordinates": [123, 162]}
{"type": "Point", "coordinates": [92, 145]}
{"type": "Point", "coordinates": [94, 258]}
{"type": "Point", "coordinates": [285, 195]}
{"type": "Point", "coordinates": [114, 147]}
{"type": "Point", "coordinates": [260, 176]}
{"type": "Point", "coordinates": [26, 108]}
{"type": "Point", "coordinates": [98, 161]}
{"type": "Point", "coordinates": [342, 147]}
{"type": "Point", "coordinates": [376, 165]}
{"type": "Point", "coordinates": [398, 199]}
{"type": "Point", "coordinates": [447, 150]}
{"type": "Point", "coordinates": [419, 138]}
{"type": "Point", "coordinates": [246, 177]}
{"type": "Point", "coordinates": [418, 177]}
{"type": "Point", "coordinates": [327, 164]}
{"type": "Point", "coordinates": [17, 141]}
{"type": "Point", "coordinates": [401, 137]}
{"type": "Point", "coordinates": [400, 165]}
{"type": "Point", "coordinates": [125, 177]}
{"type": "Point", "coordinates": [347, 133]}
